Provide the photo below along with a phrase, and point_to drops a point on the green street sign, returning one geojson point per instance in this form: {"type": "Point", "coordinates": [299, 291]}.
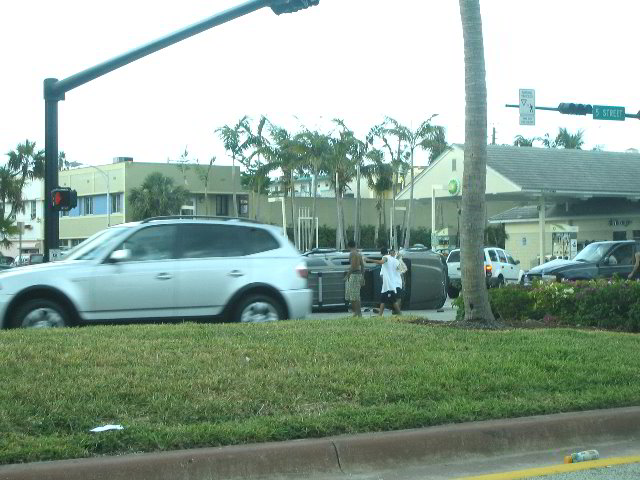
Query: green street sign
{"type": "Point", "coordinates": [604, 112]}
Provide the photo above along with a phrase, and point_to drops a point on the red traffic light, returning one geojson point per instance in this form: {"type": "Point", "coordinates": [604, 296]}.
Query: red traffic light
{"type": "Point", "coordinates": [63, 198]}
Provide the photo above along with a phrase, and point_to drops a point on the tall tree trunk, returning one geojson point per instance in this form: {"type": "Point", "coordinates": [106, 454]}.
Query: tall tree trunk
{"type": "Point", "coordinates": [315, 197]}
{"type": "Point", "coordinates": [233, 182]}
{"type": "Point", "coordinates": [474, 179]}
{"type": "Point", "coordinates": [257, 210]}
{"type": "Point", "coordinates": [206, 201]}
{"type": "Point", "coordinates": [356, 227]}
{"type": "Point", "coordinates": [293, 210]}
{"type": "Point", "coordinates": [394, 241]}
{"type": "Point", "coordinates": [340, 243]}
{"type": "Point", "coordinates": [407, 232]}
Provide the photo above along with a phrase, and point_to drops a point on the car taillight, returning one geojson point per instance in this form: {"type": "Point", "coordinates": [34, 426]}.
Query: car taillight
{"type": "Point", "coordinates": [488, 269]}
{"type": "Point", "coordinates": [302, 270]}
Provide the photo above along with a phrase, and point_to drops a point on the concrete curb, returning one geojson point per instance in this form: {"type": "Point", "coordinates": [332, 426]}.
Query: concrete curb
{"type": "Point", "coordinates": [348, 453]}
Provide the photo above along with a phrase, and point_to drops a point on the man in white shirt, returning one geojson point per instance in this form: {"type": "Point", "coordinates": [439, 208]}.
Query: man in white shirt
{"type": "Point", "coordinates": [390, 278]}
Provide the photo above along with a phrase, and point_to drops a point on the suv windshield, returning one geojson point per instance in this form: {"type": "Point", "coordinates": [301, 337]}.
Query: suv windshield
{"type": "Point", "coordinates": [90, 248]}
{"type": "Point", "coordinates": [593, 253]}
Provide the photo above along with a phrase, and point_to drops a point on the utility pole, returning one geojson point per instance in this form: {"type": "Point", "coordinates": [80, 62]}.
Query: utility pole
{"type": "Point", "coordinates": [493, 136]}
{"type": "Point", "coordinates": [54, 92]}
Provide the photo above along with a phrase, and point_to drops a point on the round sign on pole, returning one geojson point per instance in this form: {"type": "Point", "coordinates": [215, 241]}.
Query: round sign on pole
{"type": "Point", "coordinates": [453, 186]}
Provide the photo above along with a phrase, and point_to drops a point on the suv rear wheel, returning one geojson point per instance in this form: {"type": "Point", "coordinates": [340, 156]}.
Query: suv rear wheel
{"type": "Point", "coordinates": [258, 309]}
{"type": "Point", "coordinates": [40, 313]}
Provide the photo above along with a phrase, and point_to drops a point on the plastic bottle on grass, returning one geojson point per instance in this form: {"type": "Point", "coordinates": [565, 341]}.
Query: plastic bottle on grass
{"type": "Point", "coordinates": [582, 456]}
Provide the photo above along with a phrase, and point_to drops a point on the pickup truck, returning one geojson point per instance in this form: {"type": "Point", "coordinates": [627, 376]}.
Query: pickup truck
{"type": "Point", "coordinates": [596, 260]}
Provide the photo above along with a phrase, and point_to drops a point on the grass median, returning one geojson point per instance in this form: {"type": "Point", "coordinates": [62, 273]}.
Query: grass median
{"type": "Point", "coordinates": [195, 385]}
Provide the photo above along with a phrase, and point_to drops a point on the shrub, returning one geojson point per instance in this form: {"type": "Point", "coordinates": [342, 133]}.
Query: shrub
{"type": "Point", "coordinates": [513, 302]}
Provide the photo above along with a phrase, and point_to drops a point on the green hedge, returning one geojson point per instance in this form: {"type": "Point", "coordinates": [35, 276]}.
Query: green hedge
{"type": "Point", "coordinates": [609, 304]}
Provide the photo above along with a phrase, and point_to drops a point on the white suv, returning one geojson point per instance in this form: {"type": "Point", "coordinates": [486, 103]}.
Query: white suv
{"type": "Point", "coordinates": [159, 269]}
{"type": "Point", "coordinates": [500, 268]}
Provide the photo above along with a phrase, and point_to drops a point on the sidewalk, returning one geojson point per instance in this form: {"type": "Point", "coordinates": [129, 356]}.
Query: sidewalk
{"type": "Point", "coordinates": [352, 456]}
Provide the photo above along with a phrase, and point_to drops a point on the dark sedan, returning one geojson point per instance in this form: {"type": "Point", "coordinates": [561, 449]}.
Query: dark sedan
{"type": "Point", "coordinates": [596, 260]}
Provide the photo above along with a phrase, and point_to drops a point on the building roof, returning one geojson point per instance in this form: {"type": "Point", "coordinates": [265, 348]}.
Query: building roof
{"type": "Point", "coordinates": [567, 170]}
{"type": "Point", "coordinates": [594, 207]}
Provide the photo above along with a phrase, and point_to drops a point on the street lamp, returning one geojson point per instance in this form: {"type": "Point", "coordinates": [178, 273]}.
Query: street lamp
{"type": "Point", "coordinates": [433, 214]}
{"type": "Point", "coordinates": [55, 90]}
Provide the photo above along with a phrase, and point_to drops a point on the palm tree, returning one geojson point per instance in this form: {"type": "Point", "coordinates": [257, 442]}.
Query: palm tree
{"type": "Point", "coordinates": [379, 177]}
{"type": "Point", "coordinates": [413, 139]}
{"type": "Point", "coordinates": [234, 143]}
{"type": "Point", "coordinates": [157, 196]}
{"type": "Point", "coordinates": [564, 139]}
{"type": "Point", "coordinates": [474, 180]}
{"type": "Point", "coordinates": [520, 141]}
{"type": "Point", "coordinates": [257, 176]}
{"type": "Point", "coordinates": [436, 143]}
{"type": "Point", "coordinates": [383, 132]}
{"type": "Point", "coordinates": [25, 162]}
{"type": "Point", "coordinates": [203, 174]}
{"type": "Point", "coordinates": [10, 194]}
{"type": "Point", "coordinates": [315, 148]}
{"type": "Point", "coordinates": [342, 169]}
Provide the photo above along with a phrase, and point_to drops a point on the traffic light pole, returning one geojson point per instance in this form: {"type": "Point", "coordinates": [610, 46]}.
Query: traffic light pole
{"type": "Point", "coordinates": [556, 109]}
{"type": "Point", "coordinates": [54, 91]}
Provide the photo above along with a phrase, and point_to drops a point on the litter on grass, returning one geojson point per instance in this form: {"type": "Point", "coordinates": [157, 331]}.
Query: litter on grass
{"type": "Point", "coordinates": [104, 428]}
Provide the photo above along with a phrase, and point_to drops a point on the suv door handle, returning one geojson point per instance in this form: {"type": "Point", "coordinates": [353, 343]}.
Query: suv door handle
{"type": "Point", "coordinates": [164, 276]}
{"type": "Point", "coordinates": [235, 273]}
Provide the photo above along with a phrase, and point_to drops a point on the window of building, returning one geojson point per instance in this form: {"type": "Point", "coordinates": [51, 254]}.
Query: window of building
{"type": "Point", "coordinates": [636, 234]}
{"type": "Point", "coordinates": [222, 205]}
{"type": "Point", "coordinates": [33, 209]}
{"type": "Point", "coordinates": [116, 203]}
{"type": "Point", "coordinates": [244, 206]}
{"type": "Point", "coordinates": [620, 235]}
{"type": "Point", "coordinates": [87, 205]}
{"type": "Point", "coordinates": [64, 213]}
{"type": "Point", "coordinates": [453, 165]}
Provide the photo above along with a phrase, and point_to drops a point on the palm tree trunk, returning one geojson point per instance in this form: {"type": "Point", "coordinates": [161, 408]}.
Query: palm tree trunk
{"type": "Point", "coordinates": [206, 201]}
{"type": "Point", "coordinates": [393, 207]}
{"type": "Point", "coordinates": [315, 197]}
{"type": "Point", "coordinates": [407, 232]}
{"type": "Point", "coordinates": [233, 182]}
{"type": "Point", "coordinates": [356, 227]}
{"type": "Point", "coordinates": [476, 299]}
{"type": "Point", "coordinates": [293, 209]}
{"type": "Point", "coordinates": [257, 210]}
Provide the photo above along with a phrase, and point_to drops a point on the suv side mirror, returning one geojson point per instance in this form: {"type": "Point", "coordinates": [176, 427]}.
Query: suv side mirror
{"type": "Point", "coordinates": [517, 262]}
{"type": "Point", "coordinates": [120, 256]}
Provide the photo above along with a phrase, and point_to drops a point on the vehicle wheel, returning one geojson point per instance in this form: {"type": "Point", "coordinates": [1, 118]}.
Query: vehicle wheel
{"type": "Point", "coordinates": [453, 292]}
{"type": "Point", "coordinates": [259, 309]}
{"type": "Point", "coordinates": [40, 313]}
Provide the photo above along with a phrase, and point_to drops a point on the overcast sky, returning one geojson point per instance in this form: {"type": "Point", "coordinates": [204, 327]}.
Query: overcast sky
{"type": "Point", "coordinates": [358, 60]}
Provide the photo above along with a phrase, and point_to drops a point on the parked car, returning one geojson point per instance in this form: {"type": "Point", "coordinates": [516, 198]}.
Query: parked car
{"type": "Point", "coordinates": [425, 281]}
{"type": "Point", "coordinates": [6, 262]}
{"type": "Point", "coordinates": [163, 268]}
{"type": "Point", "coordinates": [499, 266]}
{"type": "Point", "coordinates": [27, 259]}
{"type": "Point", "coordinates": [596, 260]}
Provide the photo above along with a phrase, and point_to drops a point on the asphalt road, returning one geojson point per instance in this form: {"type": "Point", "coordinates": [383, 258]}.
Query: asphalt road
{"type": "Point", "coordinates": [447, 313]}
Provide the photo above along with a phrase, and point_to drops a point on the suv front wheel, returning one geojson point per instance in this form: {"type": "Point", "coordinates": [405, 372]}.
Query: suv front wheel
{"type": "Point", "coordinates": [258, 309]}
{"type": "Point", "coordinates": [40, 313]}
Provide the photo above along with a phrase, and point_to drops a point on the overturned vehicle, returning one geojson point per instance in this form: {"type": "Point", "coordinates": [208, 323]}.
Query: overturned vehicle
{"type": "Point", "coordinates": [424, 283]}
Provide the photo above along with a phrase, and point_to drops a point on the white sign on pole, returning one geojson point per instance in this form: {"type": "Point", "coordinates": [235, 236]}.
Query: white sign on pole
{"type": "Point", "coordinates": [527, 106]}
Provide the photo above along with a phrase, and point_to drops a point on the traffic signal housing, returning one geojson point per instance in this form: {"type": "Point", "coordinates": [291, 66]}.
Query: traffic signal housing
{"type": "Point", "coordinates": [63, 199]}
{"type": "Point", "coordinates": [575, 109]}
{"type": "Point", "coordinates": [290, 6]}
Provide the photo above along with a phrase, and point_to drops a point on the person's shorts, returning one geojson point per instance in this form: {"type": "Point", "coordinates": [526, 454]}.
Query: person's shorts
{"type": "Point", "coordinates": [388, 298]}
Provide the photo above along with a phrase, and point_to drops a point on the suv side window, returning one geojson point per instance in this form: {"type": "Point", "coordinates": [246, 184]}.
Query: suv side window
{"type": "Point", "coordinates": [454, 256]}
{"type": "Point", "coordinates": [623, 255]}
{"type": "Point", "coordinates": [502, 256]}
{"type": "Point", "coordinates": [510, 259]}
{"type": "Point", "coordinates": [493, 256]}
{"type": "Point", "coordinates": [151, 243]}
{"type": "Point", "coordinates": [258, 240]}
{"type": "Point", "coordinates": [206, 241]}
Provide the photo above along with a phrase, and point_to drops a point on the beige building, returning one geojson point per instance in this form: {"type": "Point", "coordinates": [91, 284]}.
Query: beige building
{"type": "Point", "coordinates": [544, 181]}
{"type": "Point", "coordinates": [92, 184]}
